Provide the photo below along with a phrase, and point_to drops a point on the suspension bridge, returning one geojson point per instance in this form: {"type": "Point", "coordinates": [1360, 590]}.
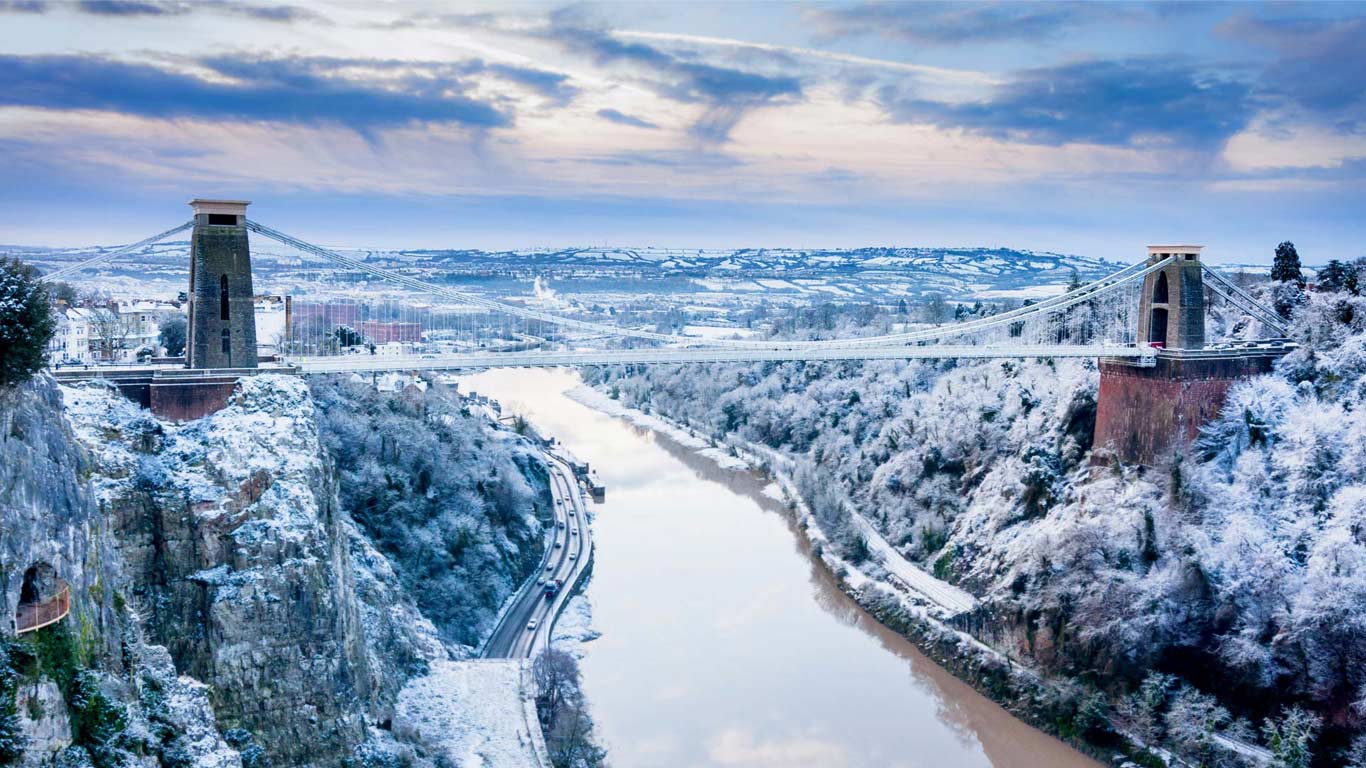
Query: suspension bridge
{"type": "Point", "coordinates": [1160, 377]}
{"type": "Point", "coordinates": [414, 324]}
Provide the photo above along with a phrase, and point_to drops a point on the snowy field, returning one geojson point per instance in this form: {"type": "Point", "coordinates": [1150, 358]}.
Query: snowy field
{"type": "Point", "coordinates": [479, 712]}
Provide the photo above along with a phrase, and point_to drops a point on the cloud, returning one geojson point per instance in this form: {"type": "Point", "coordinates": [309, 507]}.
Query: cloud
{"type": "Point", "coordinates": [554, 86]}
{"type": "Point", "coordinates": [683, 160]}
{"type": "Point", "coordinates": [279, 13]}
{"type": "Point", "coordinates": [289, 90]}
{"type": "Point", "coordinates": [1111, 102]}
{"type": "Point", "coordinates": [726, 92]}
{"type": "Point", "coordinates": [622, 118]}
{"type": "Point", "coordinates": [955, 23]}
{"type": "Point", "coordinates": [433, 78]}
{"type": "Point", "coordinates": [131, 8]}
{"type": "Point", "coordinates": [1321, 64]}
{"type": "Point", "coordinates": [154, 8]}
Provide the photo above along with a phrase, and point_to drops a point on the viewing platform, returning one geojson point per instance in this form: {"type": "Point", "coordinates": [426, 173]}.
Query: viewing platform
{"type": "Point", "coordinates": [32, 616]}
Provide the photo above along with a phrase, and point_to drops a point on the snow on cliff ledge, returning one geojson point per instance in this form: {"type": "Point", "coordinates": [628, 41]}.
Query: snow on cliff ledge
{"type": "Point", "coordinates": [261, 448]}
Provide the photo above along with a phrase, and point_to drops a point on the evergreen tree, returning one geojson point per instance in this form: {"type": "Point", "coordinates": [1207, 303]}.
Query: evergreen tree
{"type": "Point", "coordinates": [347, 336]}
{"type": "Point", "coordinates": [26, 323]}
{"type": "Point", "coordinates": [1338, 276]}
{"type": "Point", "coordinates": [1285, 268]}
{"type": "Point", "coordinates": [1291, 738]}
{"type": "Point", "coordinates": [173, 335]}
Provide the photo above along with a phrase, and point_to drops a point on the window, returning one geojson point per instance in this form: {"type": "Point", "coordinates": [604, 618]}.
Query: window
{"type": "Point", "coordinates": [223, 219]}
{"type": "Point", "coordinates": [1159, 289]}
{"type": "Point", "coordinates": [223, 298]}
{"type": "Point", "coordinates": [227, 341]}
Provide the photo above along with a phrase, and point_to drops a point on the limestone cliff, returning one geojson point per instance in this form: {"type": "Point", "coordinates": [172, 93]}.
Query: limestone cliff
{"type": "Point", "coordinates": [231, 537]}
{"type": "Point", "coordinates": [224, 610]}
{"type": "Point", "coordinates": [87, 689]}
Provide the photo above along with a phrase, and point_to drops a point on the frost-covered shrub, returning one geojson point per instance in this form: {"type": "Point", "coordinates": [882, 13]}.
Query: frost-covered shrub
{"type": "Point", "coordinates": [12, 739]}
{"type": "Point", "coordinates": [1251, 414]}
{"type": "Point", "coordinates": [253, 754]}
{"type": "Point", "coordinates": [1291, 738]}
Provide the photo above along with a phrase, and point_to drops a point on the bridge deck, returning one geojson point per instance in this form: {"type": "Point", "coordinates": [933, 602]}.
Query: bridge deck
{"type": "Point", "coordinates": [367, 363]}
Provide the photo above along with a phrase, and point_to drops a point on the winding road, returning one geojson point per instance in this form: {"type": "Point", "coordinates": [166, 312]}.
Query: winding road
{"type": "Point", "coordinates": [566, 557]}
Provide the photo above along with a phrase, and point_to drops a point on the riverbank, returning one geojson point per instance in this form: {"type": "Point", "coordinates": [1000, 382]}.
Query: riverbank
{"type": "Point", "coordinates": [901, 596]}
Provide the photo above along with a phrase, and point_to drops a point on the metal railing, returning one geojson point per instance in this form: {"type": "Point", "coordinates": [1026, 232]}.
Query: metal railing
{"type": "Point", "coordinates": [34, 616]}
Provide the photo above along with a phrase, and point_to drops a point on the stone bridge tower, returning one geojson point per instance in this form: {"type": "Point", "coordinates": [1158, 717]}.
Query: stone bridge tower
{"type": "Point", "coordinates": [222, 324]}
{"type": "Point", "coordinates": [1172, 307]}
{"type": "Point", "coordinates": [1148, 413]}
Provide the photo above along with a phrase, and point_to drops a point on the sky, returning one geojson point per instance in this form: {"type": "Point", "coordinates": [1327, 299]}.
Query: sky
{"type": "Point", "coordinates": [1092, 128]}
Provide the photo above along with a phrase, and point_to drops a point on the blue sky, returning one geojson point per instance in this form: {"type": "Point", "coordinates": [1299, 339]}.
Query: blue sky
{"type": "Point", "coordinates": [1094, 128]}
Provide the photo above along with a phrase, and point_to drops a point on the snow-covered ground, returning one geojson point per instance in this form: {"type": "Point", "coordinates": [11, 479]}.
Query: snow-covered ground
{"type": "Point", "coordinates": [478, 713]}
{"type": "Point", "coordinates": [717, 332]}
{"type": "Point", "coordinates": [574, 627]}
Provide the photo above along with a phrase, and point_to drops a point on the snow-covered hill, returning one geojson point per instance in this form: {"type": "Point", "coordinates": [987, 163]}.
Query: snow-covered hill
{"type": "Point", "coordinates": [957, 273]}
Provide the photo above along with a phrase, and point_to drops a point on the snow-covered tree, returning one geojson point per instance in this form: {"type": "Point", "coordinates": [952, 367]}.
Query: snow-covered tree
{"type": "Point", "coordinates": [26, 323]}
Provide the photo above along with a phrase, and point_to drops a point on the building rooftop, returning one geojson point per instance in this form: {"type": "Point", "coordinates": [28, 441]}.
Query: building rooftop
{"type": "Point", "coordinates": [1175, 248]}
{"type": "Point", "coordinates": [231, 207]}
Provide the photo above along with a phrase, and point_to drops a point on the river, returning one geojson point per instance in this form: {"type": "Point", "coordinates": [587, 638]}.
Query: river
{"type": "Point", "coordinates": [724, 643]}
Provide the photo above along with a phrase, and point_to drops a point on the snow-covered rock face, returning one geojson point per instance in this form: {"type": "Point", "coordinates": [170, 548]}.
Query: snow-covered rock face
{"type": "Point", "coordinates": [49, 514]}
{"type": "Point", "coordinates": [46, 514]}
{"type": "Point", "coordinates": [246, 569]}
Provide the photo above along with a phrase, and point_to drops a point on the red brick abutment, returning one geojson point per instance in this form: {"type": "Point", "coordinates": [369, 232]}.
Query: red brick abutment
{"type": "Point", "coordinates": [1145, 415]}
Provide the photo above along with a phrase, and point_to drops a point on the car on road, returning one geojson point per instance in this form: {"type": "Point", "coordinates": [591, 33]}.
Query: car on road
{"type": "Point", "coordinates": [558, 543]}
{"type": "Point", "coordinates": [531, 626]}
{"type": "Point", "coordinates": [574, 532]}
{"type": "Point", "coordinates": [573, 555]}
{"type": "Point", "coordinates": [551, 588]}
{"type": "Point", "coordinates": [560, 524]}
{"type": "Point", "coordinates": [549, 567]}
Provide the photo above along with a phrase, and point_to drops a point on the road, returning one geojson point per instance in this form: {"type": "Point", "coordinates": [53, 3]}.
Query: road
{"type": "Point", "coordinates": [566, 556]}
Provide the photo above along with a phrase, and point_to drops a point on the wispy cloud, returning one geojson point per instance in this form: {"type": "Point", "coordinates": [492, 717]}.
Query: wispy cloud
{"type": "Point", "coordinates": [946, 74]}
{"type": "Point", "coordinates": [957, 23]}
{"type": "Point", "coordinates": [727, 92]}
{"type": "Point", "coordinates": [621, 118]}
{"type": "Point", "coordinates": [153, 8]}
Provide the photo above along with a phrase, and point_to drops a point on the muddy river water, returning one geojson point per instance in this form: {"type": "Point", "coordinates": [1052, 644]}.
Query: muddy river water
{"type": "Point", "coordinates": [724, 643]}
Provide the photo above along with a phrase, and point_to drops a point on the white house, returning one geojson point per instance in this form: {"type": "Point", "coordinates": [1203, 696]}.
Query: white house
{"type": "Point", "coordinates": [140, 325]}
{"type": "Point", "coordinates": [272, 320]}
{"type": "Point", "coordinates": [71, 341]}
